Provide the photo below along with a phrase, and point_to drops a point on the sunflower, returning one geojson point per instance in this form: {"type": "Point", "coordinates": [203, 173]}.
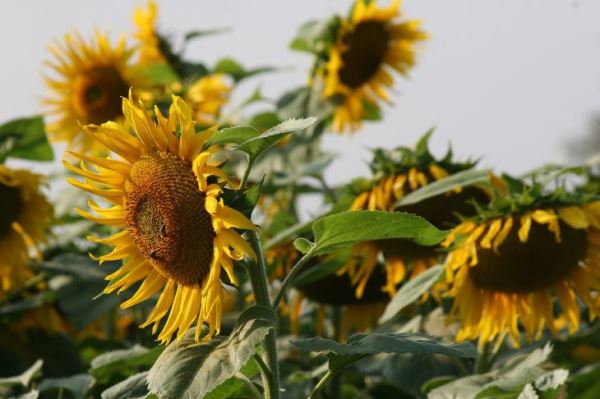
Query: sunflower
{"type": "Point", "coordinates": [206, 96]}
{"type": "Point", "coordinates": [165, 186]}
{"type": "Point", "coordinates": [146, 36]}
{"type": "Point", "coordinates": [368, 45]}
{"type": "Point", "coordinates": [357, 314]}
{"type": "Point", "coordinates": [507, 269]}
{"type": "Point", "coordinates": [24, 224]}
{"type": "Point", "coordinates": [92, 78]}
{"type": "Point", "coordinates": [399, 255]}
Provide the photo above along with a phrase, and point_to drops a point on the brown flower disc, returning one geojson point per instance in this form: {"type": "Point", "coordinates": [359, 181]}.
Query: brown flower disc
{"type": "Point", "coordinates": [98, 93]}
{"type": "Point", "coordinates": [12, 205]}
{"type": "Point", "coordinates": [536, 264]}
{"type": "Point", "coordinates": [367, 46]}
{"type": "Point", "coordinates": [167, 219]}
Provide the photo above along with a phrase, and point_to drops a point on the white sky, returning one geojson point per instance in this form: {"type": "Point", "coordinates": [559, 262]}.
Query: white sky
{"type": "Point", "coordinates": [508, 81]}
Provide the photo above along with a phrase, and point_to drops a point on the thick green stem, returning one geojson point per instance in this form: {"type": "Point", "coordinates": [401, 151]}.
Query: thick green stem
{"type": "Point", "coordinates": [290, 277]}
{"type": "Point", "coordinates": [258, 278]}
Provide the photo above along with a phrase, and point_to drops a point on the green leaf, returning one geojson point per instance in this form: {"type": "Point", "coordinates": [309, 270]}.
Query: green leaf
{"type": "Point", "coordinates": [155, 73]}
{"type": "Point", "coordinates": [87, 280]}
{"type": "Point", "coordinates": [309, 37]}
{"type": "Point", "coordinates": [460, 179]}
{"type": "Point", "coordinates": [411, 291]}
{"type": "Point", "coordinates": [25, 138]}
{"type": "Point", "coordinates": [343, 229]}
{"type": "Point", "coordinates": [256, 145]}
{"type": "Point", "coordinates": [231, 67]}
{"type": "Point", "coordinates": [124, 362]}
{"type": "Point", "coordinates": [35, 394]}
{"type": "Point", "coordinates": [303, 245]}
{"type": "Point", "coordinates": [197, 34]}
{"type": "Point", "coordinates": [264, 120]}
{"type": "Point", "coordinates": [133, 387]}
{"type": "Point", "coordinates": [233, 135]}
{"type": "Point", "coordinates": [293, 103]}
{"type": "Point", "coordinates": [78, 385]}
{"type": "Point", "coordinates": [507, 381]}
{"type": "Point", "coordinates": [193, 369]}
{"type": "Point", "coordinates": [234, 385]}
{"type": "Point", "coordinates": [26, 377]}
{"type": "Point", "coordinates": [360, 346]}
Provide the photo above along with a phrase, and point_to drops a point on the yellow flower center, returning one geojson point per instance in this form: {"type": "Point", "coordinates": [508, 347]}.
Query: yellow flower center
{"type": "Point", "coordinates": [98, 93]}
{"type": "Point", "coordinates": [366, 47]}
{"type": "Point", "coordinates": [167, 219]}
{"type": "Point", "coordinates": [536, 264]}
{"type": "Point", "coordinates": [10, 198]}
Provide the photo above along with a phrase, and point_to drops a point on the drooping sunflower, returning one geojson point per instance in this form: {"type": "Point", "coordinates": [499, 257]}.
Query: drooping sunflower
{"type": "Point", "coordinates": [91, 77]}
{"type": "Point", "coordinates": [398, 173]}
{"type": "Point", "coordinates": [146, 36]}
{"type": "Point", "coordinates": [367, 47]}
{"type": "Point", "coordinates": [357, 314]}
{"type": "Point", "coordinates": [24, 224]}
{"type": "Point", "coordinates": [507, 270]}
{"type": "Point", "coordinates": [207, 96]}
{"type": "Point", "coordinates": [165, 187]}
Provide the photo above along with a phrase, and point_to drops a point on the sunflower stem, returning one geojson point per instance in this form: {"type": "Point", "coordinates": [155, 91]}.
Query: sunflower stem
{"type": "Point", "coordinates": [287, 281]}
{"type": "Point", "coordinates": [260, 287]}
{"type": "Point", "coordinates": [321, 384]}
{"type": "Point", "coordinates": [246, 174]}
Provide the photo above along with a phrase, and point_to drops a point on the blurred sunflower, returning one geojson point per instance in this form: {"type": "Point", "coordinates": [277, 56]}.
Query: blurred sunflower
{"type": "Point", "coordinates": [207, 96]}
{"type": "Point", "coordinates": [91, 79]}
{"type": "Point", "coordinates": [508, 269]}
{"type": "Point", "coordinates": [367, 46]}
{"type": "Point", "coordinates": [415, 168]}
{"type": "Point", "coordinates": [146, 36]}
{"type": "Point", "coordinates": [24, 223]}
{"type": "Point", "coordinates": [177, 233]}
{"type": "Point", "coordinates": [357, 314]}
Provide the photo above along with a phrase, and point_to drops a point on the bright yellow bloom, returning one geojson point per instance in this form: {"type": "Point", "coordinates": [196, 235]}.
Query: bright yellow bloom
{"type": "Point", "coordinates": [91, 79]}
{"type": "Point", "coordinates": [506, 271]}
{"type": "Point", "coordinates": [24, 224]}
{"type": "Point", "coordinates": [176, 232]}
{"type": "Point", "coordinates": [399, 255]}
{"type": "Point", "coordinates": [206, 96]}
{"type": "Point", "coordinates": [368, 46]}
{"type": "Point", "coordinates": [146, 36]}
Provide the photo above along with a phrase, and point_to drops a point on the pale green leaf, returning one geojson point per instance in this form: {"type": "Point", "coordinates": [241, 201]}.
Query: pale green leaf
{"type": "Point", "coordinates": [360, 346]}
{"type": "Point", "coordinates": [190, 369]}
{"type": "Point", "coordinates": [133, 387]}
{"type": "Point", "coordinates": [460, 179]}
{"type": "Point", "coordinates": [26, 377]}
{"type": "Point", "coordinates": [411, 291]}
{"type": "Point", "coordinates": [346, 228]}
{"type": "Point", "coordinates": [78, 385]}
{"type": "Point", "coordinates": [124, 361]}
{"type": "Point", "coordinates": [155, 73]}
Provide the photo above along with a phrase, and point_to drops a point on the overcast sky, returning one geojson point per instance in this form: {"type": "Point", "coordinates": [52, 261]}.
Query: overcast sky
{"type": "Point", "coordinates": [508, 81]}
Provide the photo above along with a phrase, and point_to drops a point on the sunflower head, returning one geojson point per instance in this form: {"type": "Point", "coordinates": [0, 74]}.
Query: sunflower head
{"type": "Point", "coordinates": [90, 79]}
{"type": "Point", "coordinates": [508, 264]}
{"type": "Point", "coordinates": [366, 47]}
{"type": "Point", "coordinates": [207, 96]}
{"type": "Point", "coordinates": [395, 174]}
{"type": "Point", "coordinates": [177, 234]}
{"type": "Point", "coordinates": [24, 224]}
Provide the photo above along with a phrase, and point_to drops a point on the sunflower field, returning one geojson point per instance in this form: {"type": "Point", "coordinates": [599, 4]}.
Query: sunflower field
{"type": "Point", "coordinates": [191, 243]}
